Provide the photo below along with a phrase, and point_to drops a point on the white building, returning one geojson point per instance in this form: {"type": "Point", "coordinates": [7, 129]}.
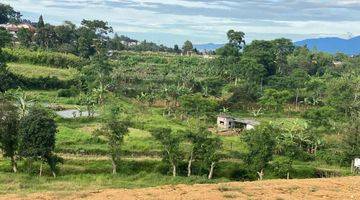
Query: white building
{"type": "Point", "coordinates": [225, 122]}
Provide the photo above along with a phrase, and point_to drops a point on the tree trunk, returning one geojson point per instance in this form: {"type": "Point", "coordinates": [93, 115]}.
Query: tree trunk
{"type": "Point", "coordinates": [297, 99]}
{"type": "Point", "coordinates": [174, 169]}
{"type": "Point", "coordinates": [189, 165]}
{"type": "Point", "coordinates": [261, 174]}
{"type": "Point", "coordinates": [113, 166]}
{"type": "Point", "coordinates": [13, 164]}
{"type": "Point", "coordinates": [211, 173]}
{"type": "Point", "coordinates": [41, 169]}
{"type": "Point", "coordinates": [352, 166]}
{"type": "Point", "coordinates": [54, 174]}
{"type": "Point", "coordinates": [288, 176]}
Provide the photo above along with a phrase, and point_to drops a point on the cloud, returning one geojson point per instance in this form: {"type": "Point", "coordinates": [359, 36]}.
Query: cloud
{"type": "Point", "coordinates": [205, 21]}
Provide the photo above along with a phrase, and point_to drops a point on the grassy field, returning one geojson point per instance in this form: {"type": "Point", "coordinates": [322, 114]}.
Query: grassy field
{"type": "Point", "coordinates": [36, 71]}
{"type": "Point", "coordinates": [87, 166]}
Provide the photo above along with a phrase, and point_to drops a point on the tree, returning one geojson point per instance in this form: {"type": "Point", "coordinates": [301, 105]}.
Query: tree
{"type": "Point", "coordinates": [197, 105]}
{"type": "Point", "coordinates": [235, 44]}
{"type": "Point", "coordinates": [97, 76]}
{"type": "Point", "coordinates": [8, 14]}
{"type": "Point", "coordinates": [7, 79]}
{"type": "Point", "coordinates": [177, 49]}
{"type": "Point", "coordinates": [321, 117]}
{"type": "Point", "coordinates": [37, 137]}
{"type": "Point", "coordinates": [260, 144]}
{"type": "Point", "coordinates": [101, 28]}
{"type": "Point", "coordinates": [171, 146]}
{"type": "Point", "coordinates": [264, 53]}
{"type": "Point", "coordinates": [274, 99]}
{"type": "Point", "coordinates": [251, 70]}
{"type": "Point", "coordinates": [116, 43]}
{"type": "Point", "coordinates": [351, 139]}
{"type": "Point", "coordinates": [237, 38]}
{"type": "Point", "coordinates": [210, 153]}
{"type": "Point", "coordinates": [41, 23]}
{"type": "Point", "coordinates": [9, 131]}
{"type": "Point", "coordinates": [46, 37]}
{"type": "Point", "coordinates": [298, 78]}
{"type": "Point", "coordinates": [283, 48]}
{"type": "Point", "coordinates": [67, 37]}
{"type": "Point", "coordinates": [25, 37]}
{"type": "Point", "coordinates": [228, 50]}
{"type": "Point", "coordinates": [187, 47]}
{"type": "Point", "coordinates": [5, 38]}
{"type": "Point", "coordinates": [114, 131]}
{"type": "Point", "coordinates": [197, 137]}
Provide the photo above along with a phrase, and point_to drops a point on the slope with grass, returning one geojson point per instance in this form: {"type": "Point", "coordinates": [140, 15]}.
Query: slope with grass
{"type": "Point", "coordinates": [37, 71]}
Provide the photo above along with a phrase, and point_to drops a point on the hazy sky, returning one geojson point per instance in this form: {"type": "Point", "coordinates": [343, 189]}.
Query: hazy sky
{"type": "Point", "coordinates": [201, 21]}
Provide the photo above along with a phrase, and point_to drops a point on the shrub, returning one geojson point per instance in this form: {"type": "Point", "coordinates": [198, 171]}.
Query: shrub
{"type": "Point", "coordinates": [55, 59]}
{"type": "Point", "coordinates": [72, 92]}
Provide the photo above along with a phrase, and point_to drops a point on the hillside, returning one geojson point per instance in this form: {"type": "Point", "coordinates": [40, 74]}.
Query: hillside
{"type": "Point", "coordinates": [334, 188]}
{"type": "Point", "coordinates": [333, 45]}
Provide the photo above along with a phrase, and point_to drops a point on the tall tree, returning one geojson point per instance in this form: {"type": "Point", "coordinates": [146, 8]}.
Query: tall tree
{"type": "Point", "coordinates": [37, 137]}
{"type": "Point", "coordinates": [260, 144]}
{"type": "Point", "coordinates": [41, 23]}
{"type": "Point", "coordinates": [6, 78]}
{"type": "Point", "coordinates": [352, 138]}
{"type": "Point", "coordinates": [9, 127]}
{"type": "Point", "coordinates": [8, 14]}
{"type": "Point", "coordinates": [236, 38]}
{"type": "Point", "coordinates": [197, 137]}
{"type": "Point", "coordinates": [171, 146]}
{"type": "Point", "coordinates": [114, 131]}
{"type": "Point", "coordinates": [25, 37]}
{"type": "Point", "coordinates": [187, 47]}
{"type": "Point", "coordinates": [210, 153]}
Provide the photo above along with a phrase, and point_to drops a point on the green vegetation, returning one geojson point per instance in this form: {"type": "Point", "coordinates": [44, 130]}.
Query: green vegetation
{"type": "Point", "coordinates": [36, 71]}
{"type": "Point", "coordinates": [151, 115]}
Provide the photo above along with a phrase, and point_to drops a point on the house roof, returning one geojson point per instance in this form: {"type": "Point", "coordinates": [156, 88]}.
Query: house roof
{"type": "Point", "coordinates": [17, 27]}
{"type": "Point", "coordinates": [241, 120]}
{"type": "Point", "coordinates": [248, 121]}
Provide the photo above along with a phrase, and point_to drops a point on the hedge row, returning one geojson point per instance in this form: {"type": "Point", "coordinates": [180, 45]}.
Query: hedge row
{"type": "Point", "coordinates": [9, 80]}
{"type": "Point", "coordinates": [55, 59]}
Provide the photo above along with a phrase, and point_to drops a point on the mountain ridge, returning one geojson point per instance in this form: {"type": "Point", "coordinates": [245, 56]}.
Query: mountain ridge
{"type": "Point", "coordinates": [331, 45]}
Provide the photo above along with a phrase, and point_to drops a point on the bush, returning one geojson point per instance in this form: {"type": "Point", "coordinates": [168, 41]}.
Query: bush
{"type": "Point", "coordinates": [54, 59]}
{"type": "Point", "coordinates": [72, 92]}
{"type": "Point", "coordinates": [281, 166]}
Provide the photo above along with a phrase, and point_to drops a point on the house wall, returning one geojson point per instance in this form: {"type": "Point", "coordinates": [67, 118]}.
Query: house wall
{"type": "Point", "coordinates": [249, 127]}
{"type": "Point", "coordinates": [225, 123]}
{"type": "Point", "coordinates": [357, 163]}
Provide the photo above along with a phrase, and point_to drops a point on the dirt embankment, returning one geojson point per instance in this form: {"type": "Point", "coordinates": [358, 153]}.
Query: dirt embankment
{"type": "Point", "coordinates": [336, 188]}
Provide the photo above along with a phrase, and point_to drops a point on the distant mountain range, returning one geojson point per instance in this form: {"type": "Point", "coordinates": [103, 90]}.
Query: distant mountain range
{"type": "Point", "coordinates": [331, 45]}
{"type": "Point", "coordinates": [208, 46]}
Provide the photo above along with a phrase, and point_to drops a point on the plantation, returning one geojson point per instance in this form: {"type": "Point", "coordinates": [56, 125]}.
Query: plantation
{"type": "Point", "coordinates": [151, 116]}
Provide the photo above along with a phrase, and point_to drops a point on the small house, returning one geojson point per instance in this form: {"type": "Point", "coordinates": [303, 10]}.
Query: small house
{"type": "Point", "coordinates": [14, 28]}
{"type": "Point", "coordinates": [357, 163]}
{"type": "Point", "coordinates": [225, 122]}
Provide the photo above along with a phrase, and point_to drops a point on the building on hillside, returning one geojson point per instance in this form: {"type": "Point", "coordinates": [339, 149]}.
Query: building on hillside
{"type": "Point", "coordinates": [357, 163]}
{"type": "Point", "coordinates": [130, 42]}
{"type": "Point", "coordinates": [14, 28]}
{"type": "Point", "coordinates": [226, 122]}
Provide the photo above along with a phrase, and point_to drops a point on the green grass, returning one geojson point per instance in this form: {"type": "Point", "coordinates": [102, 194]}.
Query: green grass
{"type": "Point", "coordinates": [36, 71]}
{"type": "Point", "coordinates": [51, 96]}
{"type": "Point", "coordinates": [90, 174]}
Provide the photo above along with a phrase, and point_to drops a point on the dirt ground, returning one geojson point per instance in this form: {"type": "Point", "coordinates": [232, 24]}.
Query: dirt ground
{"type": "Point", "coordinates": [336, 188]}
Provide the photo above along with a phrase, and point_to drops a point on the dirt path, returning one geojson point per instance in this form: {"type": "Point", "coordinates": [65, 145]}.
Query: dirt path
{"type": "Point", "coordinates": [337, 188]}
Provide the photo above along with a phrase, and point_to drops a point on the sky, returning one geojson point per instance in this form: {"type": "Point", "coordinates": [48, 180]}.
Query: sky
{"type": "Point", "coordinates": [205, 21]}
